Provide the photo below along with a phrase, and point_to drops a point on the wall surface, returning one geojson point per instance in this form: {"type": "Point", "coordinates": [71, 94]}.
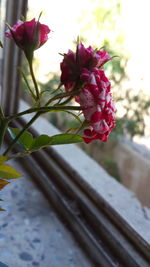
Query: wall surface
{"type": "Point", "coordinates": [134, 168]}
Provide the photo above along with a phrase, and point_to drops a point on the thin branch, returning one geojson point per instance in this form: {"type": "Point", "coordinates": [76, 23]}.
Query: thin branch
{"type": "Point", "coordinates": [42, 110]}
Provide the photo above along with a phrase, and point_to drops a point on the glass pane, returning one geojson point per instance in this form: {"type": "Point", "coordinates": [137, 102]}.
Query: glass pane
{"type": "Point", "coordinates": [108, 24]}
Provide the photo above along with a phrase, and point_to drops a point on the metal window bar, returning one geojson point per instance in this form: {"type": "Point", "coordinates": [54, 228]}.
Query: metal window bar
{"type": "Point", "coordinates": [12, 59]}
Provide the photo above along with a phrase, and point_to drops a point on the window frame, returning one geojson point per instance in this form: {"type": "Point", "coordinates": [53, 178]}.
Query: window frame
{"type": "Point", "coordinates": [10, 74]}
{"type": "Point", "coordinates": [103, 231]}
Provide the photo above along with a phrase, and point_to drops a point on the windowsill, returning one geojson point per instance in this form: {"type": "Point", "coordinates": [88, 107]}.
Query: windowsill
{"type": "Point", "coordinates": [25, 224]}
{"type": "Point", "coordinates": [100, 185]}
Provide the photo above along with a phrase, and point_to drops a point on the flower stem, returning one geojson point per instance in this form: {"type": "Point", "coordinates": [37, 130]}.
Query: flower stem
{"type": "Point", "coordinates": [3, 129]}
{"type": "Point", "coordinates": [27, 83]}
{"type": "Point", "coordinates": [3, 126]}
{"type": "Point", "coordinates": [1, 113]}
{"type": "Point", "coordinates": [34, 80]}
{"type": "Point", "coordinates": [43, 110]}
{"type": "Point", "coordinates": [59, 96]}
{"type": "Point", "coordinates": [67, 100]}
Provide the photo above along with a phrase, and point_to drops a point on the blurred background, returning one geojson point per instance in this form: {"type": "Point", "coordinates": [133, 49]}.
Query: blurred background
{"type": "Point", "coordinates": [122, 28]}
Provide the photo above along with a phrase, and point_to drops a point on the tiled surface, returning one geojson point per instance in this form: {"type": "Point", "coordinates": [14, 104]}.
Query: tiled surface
{"type": "Point", "coordinates": [30, 232]}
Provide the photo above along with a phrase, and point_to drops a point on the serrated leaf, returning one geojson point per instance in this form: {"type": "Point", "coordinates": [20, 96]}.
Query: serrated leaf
{"type": "Point", "coordinates": [3, 183]}
{"type": "Point", "coordinates": [8, 172]}
{"type": "Point", "coordinates": [60, 139]}
{"type": "Point", "coordinates": [26, 139]}
{"type": "Point", "coordinates": [3, 159]}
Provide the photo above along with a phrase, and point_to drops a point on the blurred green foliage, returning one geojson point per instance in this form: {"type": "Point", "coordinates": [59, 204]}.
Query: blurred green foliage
{"type": "Point", "coordinates": [136, 108]}
{"type": "Point", "coordinates": [104, 22]}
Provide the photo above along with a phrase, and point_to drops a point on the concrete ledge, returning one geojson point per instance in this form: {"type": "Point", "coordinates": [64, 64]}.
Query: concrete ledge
{"type": "Point", "coordinates": [101, 184]}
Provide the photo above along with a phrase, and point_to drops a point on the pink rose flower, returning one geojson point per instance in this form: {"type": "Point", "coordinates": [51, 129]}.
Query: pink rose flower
{"type": "Point", "coordinates": [28, 35]}
{"type": "Point", "coordinates": [97, 105]}
{"type": "Point", "coordinates": [74, 63]}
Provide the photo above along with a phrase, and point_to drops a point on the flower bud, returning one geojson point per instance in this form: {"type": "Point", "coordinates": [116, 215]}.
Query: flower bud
{"type": "Point", "coordinates": [28, 35]}
{"type": "Point", "coordinates": [74, 63]}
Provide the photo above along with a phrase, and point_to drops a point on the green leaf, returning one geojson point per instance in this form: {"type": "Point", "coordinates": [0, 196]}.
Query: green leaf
{"type": "Point", "coordinates": [40, 142]}
{"type": "Point", "coordinates": [1, 45]}
{"type": "Point", "coordinates": [26, 139]}
{"type": "Point", "coordinates": [8, 172]}
{"type": "Point", "coordinates": [3, 159]}
{"type": "Point", "coordinates": [3, 183]}
{"type": "Point", "coordinates": [60, 139]}
{"type": "Point", "coordinates": [2, 210]}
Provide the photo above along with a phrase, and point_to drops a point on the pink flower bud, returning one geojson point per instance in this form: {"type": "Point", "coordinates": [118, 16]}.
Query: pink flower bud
{"type": "Point", "coordinates": [83, 72]}
{"type": "Point", "coordinates": [73, 64]}
{"type": "Point", "coordinates": [28, 35]}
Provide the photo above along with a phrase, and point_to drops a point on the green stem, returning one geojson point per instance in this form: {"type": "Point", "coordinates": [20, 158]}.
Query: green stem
{"type": "Point", "coordinates": [67, 100]}
{"type": "Point", "coordinates": [42, 110]}
{"type": "Point", "coordinates": [71, 95]}
{"type": "Point", "coordinates": [19, 155]}
{"type": "Point", "coordinates": [21, 132]}
{"type": "Point", "coordinates": [59, 96]}
{"type": "Point", "coordinates": [34, 80]}
{"type": "Point", "coordinates": [26, 82]}
{"type": "Point", "coordinates": [3, 128]}
{"type": "Point", "coordinates": [1, 113]}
